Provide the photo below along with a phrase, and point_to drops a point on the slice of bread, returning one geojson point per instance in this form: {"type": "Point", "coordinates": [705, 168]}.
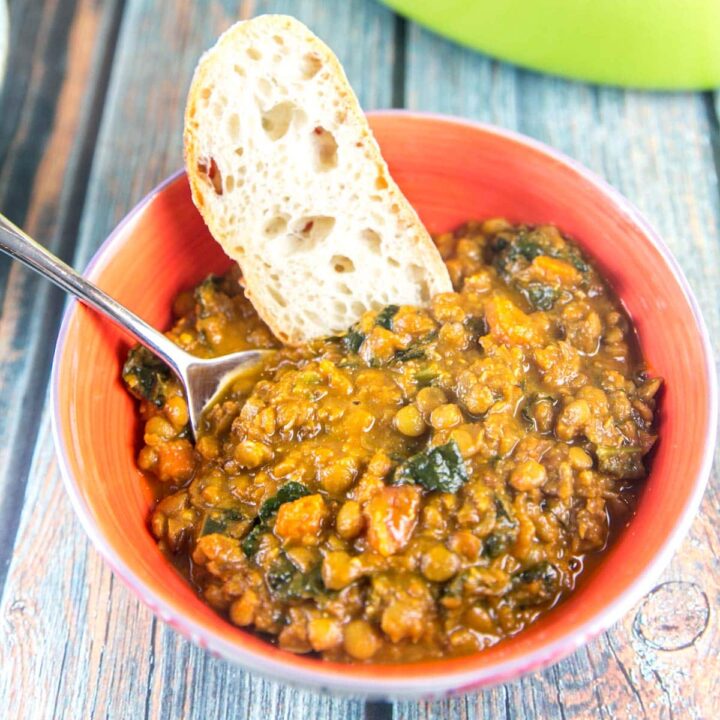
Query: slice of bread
{"type": "Point", "coordinates": [290, 181]}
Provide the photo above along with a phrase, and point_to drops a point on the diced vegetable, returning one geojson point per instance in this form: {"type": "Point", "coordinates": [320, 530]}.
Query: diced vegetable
{"type": "Point", "coordinates": [391, 516]}
{"type": "Point", "coordinates": [555, 270]}
{"type": "Point", "coordinates": [302, 520]}
{"type": "Point", "coordinates": [510, 325]}
{"type": "Point", "coordinates": [441, 468]}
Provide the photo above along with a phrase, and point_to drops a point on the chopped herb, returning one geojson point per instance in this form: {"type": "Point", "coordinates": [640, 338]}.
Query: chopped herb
{"type": "Point", "coordinates": [426, 375]}
{"type": "Point", "coordinates": [415, 351]}
{"type": "Point", "coordinates": [307, 585]}
{"type": "Point", "coordinates": [501, 508]}
{"type": "Point", "coordinates": [287, 582]}
{"type": "Point", "coordinates": [353, 339]}
{"type": "Point", "coordinates": [287, 493]}
{"type": "Point", "coordinates": [529, 250]}
{"type": "Point", "coordinates": [280, 573]}
{"type": "Point", "coordinates": [495, 545]}
{"type": "Point", "coordinates": [441, 468]}
{"type": "Point", "coordinates": [504, 532]}
{"type": "Point", "coordinates": [477, 326]}
{"type": "Point", "coordinates": [620, 462]}
{"type": "Point", "coordinates": [217, 522]}
{"type": "Point", "coordinates": [541, 297]}
{"type": "Point", "coordinates": [146, 376]}
{"type": "Point", "coordinates": [206, 295]}
{"type": "Point", "coordinates": [250, 542]}
{"type": "Point", "coordinates": [385, 316]}
{"type": "Point", "coordinates": [536, 584]}
{"type": "Point", "coordinates": [411, 353]}
{"type": "Point", "coordinates": [544, 572]}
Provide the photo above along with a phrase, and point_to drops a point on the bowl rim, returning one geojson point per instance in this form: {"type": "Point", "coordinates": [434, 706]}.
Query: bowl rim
{"type": "Point", "coordinates": [369, 680]}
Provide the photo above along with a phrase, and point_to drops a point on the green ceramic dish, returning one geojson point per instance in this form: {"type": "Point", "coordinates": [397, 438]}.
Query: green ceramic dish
{"type": "Point", "coordinates": [670, 44]}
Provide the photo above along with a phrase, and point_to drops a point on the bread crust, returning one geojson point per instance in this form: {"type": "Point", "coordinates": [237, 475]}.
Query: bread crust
{"type": "Point", "coordinates": [342, 208]}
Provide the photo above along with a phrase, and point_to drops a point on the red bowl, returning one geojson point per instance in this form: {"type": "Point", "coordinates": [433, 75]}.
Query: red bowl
{"type": "Point", "coordinates": [450, 170]}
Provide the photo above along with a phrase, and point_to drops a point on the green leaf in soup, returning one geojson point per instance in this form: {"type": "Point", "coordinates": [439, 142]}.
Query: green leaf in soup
{"type": "Point", "coordinates": [411, 353]}
{"type": "Point", "coordinates": [217, 522]}
{"type": "Point", "coordinates": [441, 468]}
{"type": "Point", "coordinates": [385, 316]}
{"type": "Point", "coordinates": [287, 493]}
{"type": "Point", "coordinates": [145, 376]}
{"type": "Point", "coordinates": [251, 541]}
{"type": "Point", "coordinates": [285, 581]}
{"type": "Point", "coordinates": [541, 297]}
{"type": "Point", "coordinates": [353, 339]}
{"type": "Point", "coordinates": [623, 462]}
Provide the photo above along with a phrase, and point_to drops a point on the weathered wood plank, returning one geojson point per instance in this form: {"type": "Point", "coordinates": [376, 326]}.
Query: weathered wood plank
{"type": "Point", "coordinates": [51, 95]}
{"type": "Point", "coordinates": [656, 149]}
{"type": "Point", "coordinates": [75, 642]}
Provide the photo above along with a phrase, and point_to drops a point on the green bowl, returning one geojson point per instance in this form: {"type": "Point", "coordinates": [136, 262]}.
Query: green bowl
{"type": "Point", "coordinates": [670, 44]}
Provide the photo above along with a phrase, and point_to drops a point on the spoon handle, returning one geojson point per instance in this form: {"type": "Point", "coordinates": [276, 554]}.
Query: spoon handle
{"type": "Point", "coordinates": [21, 246]}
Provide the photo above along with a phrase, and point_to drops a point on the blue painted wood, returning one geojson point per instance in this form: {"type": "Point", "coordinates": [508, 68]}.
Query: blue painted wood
{"type": "Point", "coordinates": [48, 124]}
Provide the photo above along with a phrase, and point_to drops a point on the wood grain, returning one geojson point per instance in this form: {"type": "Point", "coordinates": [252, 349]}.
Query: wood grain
{"type": "Point", "coordinates": [52, 97]}
{"type": "Point", "coordinates": [87, 128]}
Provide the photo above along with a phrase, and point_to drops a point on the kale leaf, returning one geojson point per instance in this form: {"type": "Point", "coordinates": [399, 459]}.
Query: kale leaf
{"type": "Point", "coordinates": [410, 353]}
{"type": "Point", "coordinates": [620, 462]}
{"type": "Point", "coordinates": [287, 493]}
{"type": "Point", "coordinates": [252, 539]}
{"type": "Point", "coordinates": [505, 530]}
{"type": "Point", "coordinates": [385, 316]}
{"type": "Point", "coordinates": [540, 296]}
{"type": "Point", "coordinates": [353, 339]}
{"type": "Point", "coordinates": [146, 376]}
{"type": "Point", "coordinates": [217, 522]}
{"type": "Point", "coordinates": [285, 581]}
{"type": "Point", "coordinates": [441, 468]}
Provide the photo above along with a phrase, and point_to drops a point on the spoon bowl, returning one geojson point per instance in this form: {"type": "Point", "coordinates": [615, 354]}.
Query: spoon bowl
{"type": "Point", "coordinates": [201, 378]}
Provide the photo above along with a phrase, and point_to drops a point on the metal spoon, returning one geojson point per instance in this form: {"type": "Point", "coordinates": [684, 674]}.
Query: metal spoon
{"type": "Point", "coordinates": [202, 379]}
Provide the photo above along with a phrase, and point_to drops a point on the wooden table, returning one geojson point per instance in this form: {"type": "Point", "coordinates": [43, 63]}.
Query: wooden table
{"type": "Point", "coordinates": [91, 120]}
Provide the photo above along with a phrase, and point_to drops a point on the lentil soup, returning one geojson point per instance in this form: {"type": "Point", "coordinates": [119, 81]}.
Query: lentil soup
{"type": "Point", "coordinates": [422, 486]}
